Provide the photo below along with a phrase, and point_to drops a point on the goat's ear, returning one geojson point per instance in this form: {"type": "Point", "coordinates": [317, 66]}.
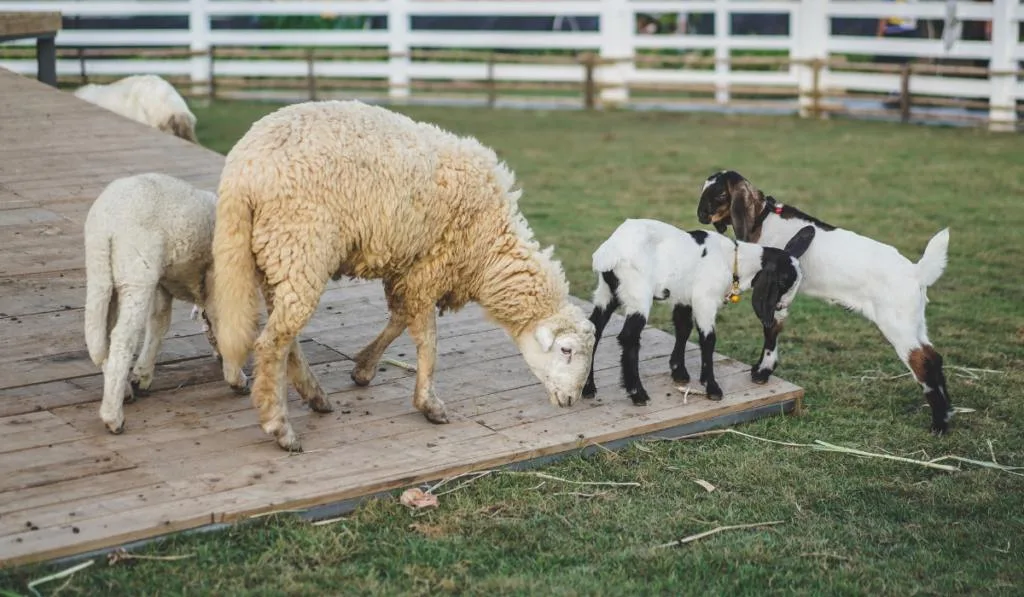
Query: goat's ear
{"type": "Point", "coordinates": [544, 337]}
{"type": "Point", "coordinates": [744, 208]}
{"type": "Point", "coordinates": [800, 241]}
{"type": "Point", "coordinates": [765, 295]}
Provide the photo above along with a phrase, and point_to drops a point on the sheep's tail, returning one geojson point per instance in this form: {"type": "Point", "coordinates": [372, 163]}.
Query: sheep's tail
{"type": "Point", "coordinates": [232, 297]}
{"type": "Point", "coordinates": [99, 292]}
{"type": "Point", "coordinates": [933, 261]}
{"type": "Point", "coordinates": [181, 125]}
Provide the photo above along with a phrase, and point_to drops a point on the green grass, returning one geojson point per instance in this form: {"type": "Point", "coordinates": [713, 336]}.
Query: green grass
{"type": "Point", "coordinates": [853, 526]}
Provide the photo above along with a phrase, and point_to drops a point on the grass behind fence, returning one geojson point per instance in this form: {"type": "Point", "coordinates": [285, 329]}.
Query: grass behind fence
{"type": "Point", "coordinates": [851, 526]}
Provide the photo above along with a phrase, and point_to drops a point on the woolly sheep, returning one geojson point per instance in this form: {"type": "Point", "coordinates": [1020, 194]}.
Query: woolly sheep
{"type": "Point", "coordinates": [317, 190]}
{"type": "Point", "coordinates": [147, 241]}
{"type": "Point", "coordinates": [646, 260]}
{"type": "Point", "coordinates": [147, 99]}
{"type": "Point", "coordinates": [845, 268]}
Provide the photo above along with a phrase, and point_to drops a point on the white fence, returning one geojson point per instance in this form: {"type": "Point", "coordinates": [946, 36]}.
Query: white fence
{"type": "Point", "coordinates": [616, 39]}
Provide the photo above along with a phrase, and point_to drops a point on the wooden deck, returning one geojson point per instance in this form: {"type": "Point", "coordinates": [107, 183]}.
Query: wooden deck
{"type": "Point", "coordinates": [192, 453]}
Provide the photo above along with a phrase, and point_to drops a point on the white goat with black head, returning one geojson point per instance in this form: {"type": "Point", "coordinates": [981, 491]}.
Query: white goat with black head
{"type": "Point", "coordinates": [646, 260]}
{"type": "Point", "coordinates": [848, 269]}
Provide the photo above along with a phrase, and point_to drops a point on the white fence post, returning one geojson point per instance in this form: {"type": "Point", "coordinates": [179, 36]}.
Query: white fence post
{"type": "Point", "coordinates": [1002, 96]}
{"type": "Point", "coordinates": [810, 27]}
{"type": "Point", "coordinates": [398, 50]}
{"type": "Point", "coordinates": [722, 54]}
{"type": "Point", "coordinates": [617, 25]}
{"type": "Point", "coordinates": [199, 41]}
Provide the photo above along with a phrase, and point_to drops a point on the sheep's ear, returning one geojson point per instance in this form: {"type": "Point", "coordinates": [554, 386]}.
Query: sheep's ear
{"type": "Point", "coordinates": [544, 337]}
{"type": "Point", "coordinates": [800, 241]}
{"type": "Point", "coordinates": [744, 208]}
{"type": "Point", "coordinates": [765, 295]}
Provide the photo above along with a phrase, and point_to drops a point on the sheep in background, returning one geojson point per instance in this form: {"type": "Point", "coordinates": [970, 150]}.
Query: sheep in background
{"type": "Point", "coordinates": [845, 268]}
{"type": "Point", "coordinates": [147, 241]}
{"type": "Point", "coordinates": [317, 190]}
{"type": "Point", "coordinates": [147, 99]}
{"type": "Point", "coordinates": [646, 260]}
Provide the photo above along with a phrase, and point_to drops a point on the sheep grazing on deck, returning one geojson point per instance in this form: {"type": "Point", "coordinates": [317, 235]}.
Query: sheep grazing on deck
{"type": "Point", "coordinates": [147, 241]}
{"type": "Point", "coordinates": [317, 190]}
{"type": "Point", "coordinates": [845, 268]}
{"type": "Point", "coordinates": [646, 260]}
{"type": "Point", "coordinates": [147, 99]}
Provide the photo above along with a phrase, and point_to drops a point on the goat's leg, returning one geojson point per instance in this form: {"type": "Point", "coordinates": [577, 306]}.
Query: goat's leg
{"type": "Point", "coordinates": [272, 348]}
{"type": "Point", "coordinates": [423, 329]}
{"type": "Point", "coordinates": [765, 366]}
{"type": "Point", "coordinates": [682, 320]}
{"type": "Point", "coordinates": [133, 310]}
{"type": "Point", "coordinates": [629, 341]}
{"type": "Point", "coordinates": [156, 328]}
{"type": "Point", "coordinates": [605, 303]}
{"type": "Point", "coordinates": [704, 316]}
{"type": "Point", "coordinates": [918, 355]}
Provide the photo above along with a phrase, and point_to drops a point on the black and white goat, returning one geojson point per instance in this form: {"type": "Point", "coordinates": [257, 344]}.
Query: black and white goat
{"type": "Point", "coordinates": [845, 268]}
{"type": "Point", "coordinates": [646, 260]}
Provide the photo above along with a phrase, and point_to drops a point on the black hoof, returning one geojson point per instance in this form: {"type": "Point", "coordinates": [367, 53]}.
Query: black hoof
{"type": "Point", "coordinates": [241, 390]}
{"type": "Point", "coordinates": [589, 391]}
{"type": "Point", "coordinates": [681, 376]}
{"type": "Point", "coordinates": [714, 392]}
{"type": "Point", "coordinates": [760, 376]}
{"type": "Point", "coordinates": [640, 399]}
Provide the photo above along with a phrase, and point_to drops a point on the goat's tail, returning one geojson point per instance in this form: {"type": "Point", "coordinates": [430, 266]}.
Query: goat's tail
{"type": "Point", "coordinates": [99, 292]}
{"type": "Point", "coordinates": [933, 261]}
{"type": "Point", "coordinates": [232, 299]}
{"type": "Point", "coordinates": [605, 258]}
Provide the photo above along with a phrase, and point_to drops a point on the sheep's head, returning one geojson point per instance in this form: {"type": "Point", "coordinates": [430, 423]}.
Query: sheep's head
{"type": "Point", "coordinates": [729, 198]}
{"type": "Point", "coordinates": [558, 350]}
{"type": "Point", "coordinates": [776, 284]}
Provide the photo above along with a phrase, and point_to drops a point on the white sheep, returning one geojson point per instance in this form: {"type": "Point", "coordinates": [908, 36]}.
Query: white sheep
{"type": "Point", "coordinates": [147, 241]}
{"type": "Point", "coordinates": [647, 260]}
{"type": "Point", "coordinates": [323, 189]}
{"type": "Point", "coordinates": [147, 99]}
{"type": "Point", "coordinates": [845, 268]}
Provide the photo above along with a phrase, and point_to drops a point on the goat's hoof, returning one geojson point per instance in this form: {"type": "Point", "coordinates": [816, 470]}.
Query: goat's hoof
{"type": "Point", "coordinates": [714, 392]}
{"type": "Point", "coordinates": [116, 430]}
{"type": "Point", "coordinates": [939, 428]}
{"type": "Point", "coordinates": [760, 376]}
{"type": "Point", "coordinates": [321, 404]}
{"type": "Point", "coordinates": [640, 398]}
{"type": "Point", "coordinates": [681, 376]}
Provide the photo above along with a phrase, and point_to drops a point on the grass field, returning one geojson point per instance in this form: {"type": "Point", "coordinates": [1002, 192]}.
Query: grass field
{"type": "Point", "coordinates": [851, 526]}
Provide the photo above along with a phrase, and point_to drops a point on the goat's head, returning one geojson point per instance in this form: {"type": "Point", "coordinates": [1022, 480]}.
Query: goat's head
{"type": "Point", "coordinates": [558, 350]}
{"type": "Point", "coordinates": [775, 286]}
{"type": "Point", "coordinates": [729, 198]}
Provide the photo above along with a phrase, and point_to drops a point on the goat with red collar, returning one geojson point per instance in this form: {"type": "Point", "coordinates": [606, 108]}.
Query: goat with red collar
{"type": "Point", "coordinates": [845, 268]}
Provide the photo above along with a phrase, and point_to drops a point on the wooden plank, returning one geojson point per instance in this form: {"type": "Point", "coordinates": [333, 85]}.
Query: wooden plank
{"type": "Point", "coordinates": [44, 465]}
{"type": "Point", "coordinates": [34, 430]}
{"type": "Point", "coordinates": [27, 23]}
{"type": "Point", "coordinates": [41, 293]}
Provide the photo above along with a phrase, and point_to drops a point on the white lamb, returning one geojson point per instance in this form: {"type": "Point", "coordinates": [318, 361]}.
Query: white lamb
{"type": "Point", "coordinates": [846, 268]}
{"type": "Point", "coordinates": [321, 189]}
{"type": "Point", "coordinates": [147, 99]}
{"type": "Point", "coordinates": [646, 260]}
{"type": "Point", "coordinates": [147, 241]}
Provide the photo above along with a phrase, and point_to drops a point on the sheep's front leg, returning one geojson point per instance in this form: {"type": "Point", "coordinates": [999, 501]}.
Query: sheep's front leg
{"type": "Point", "coordinates": [156, 328]}
{"type": "Point", "coordinates": [305, 383]}
{"type": "Point", "coordinates": [423, 330]}
{"type": "Point", "coordinates": [682, 319]}
{"type": "Point", "coordinates": [704, 315]}
{"type": "Point", "coordinates": [765, 366]}
{"type": "Point", "coordinates": [133, 309]}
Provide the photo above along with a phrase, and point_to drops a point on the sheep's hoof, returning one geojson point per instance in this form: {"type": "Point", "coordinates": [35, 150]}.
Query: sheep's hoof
{"type": "Point", "coordinates": [361, 377]}
{"type": "Point", "coordinates": [320, 404]}
{"type": "Point", "coordinates": [589, 390]}
{"type": "Point", "coordinates": [436, 415]}
{"type": "Point", "coordinates": [137, 391]}
{"type": "Point", "coordinates": [289, 441]}
{"type": "Point", "coordinates": [116, 430]}
{"type": "Point", "coordinates": [242, 390]}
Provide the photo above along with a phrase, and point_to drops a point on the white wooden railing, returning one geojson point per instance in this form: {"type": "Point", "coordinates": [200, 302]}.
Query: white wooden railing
{"type": "Point", "coordinates": [616, 40]}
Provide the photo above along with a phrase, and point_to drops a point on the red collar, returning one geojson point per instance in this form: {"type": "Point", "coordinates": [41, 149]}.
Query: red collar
{"type": "Point", "coordinates": [778, 209]}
